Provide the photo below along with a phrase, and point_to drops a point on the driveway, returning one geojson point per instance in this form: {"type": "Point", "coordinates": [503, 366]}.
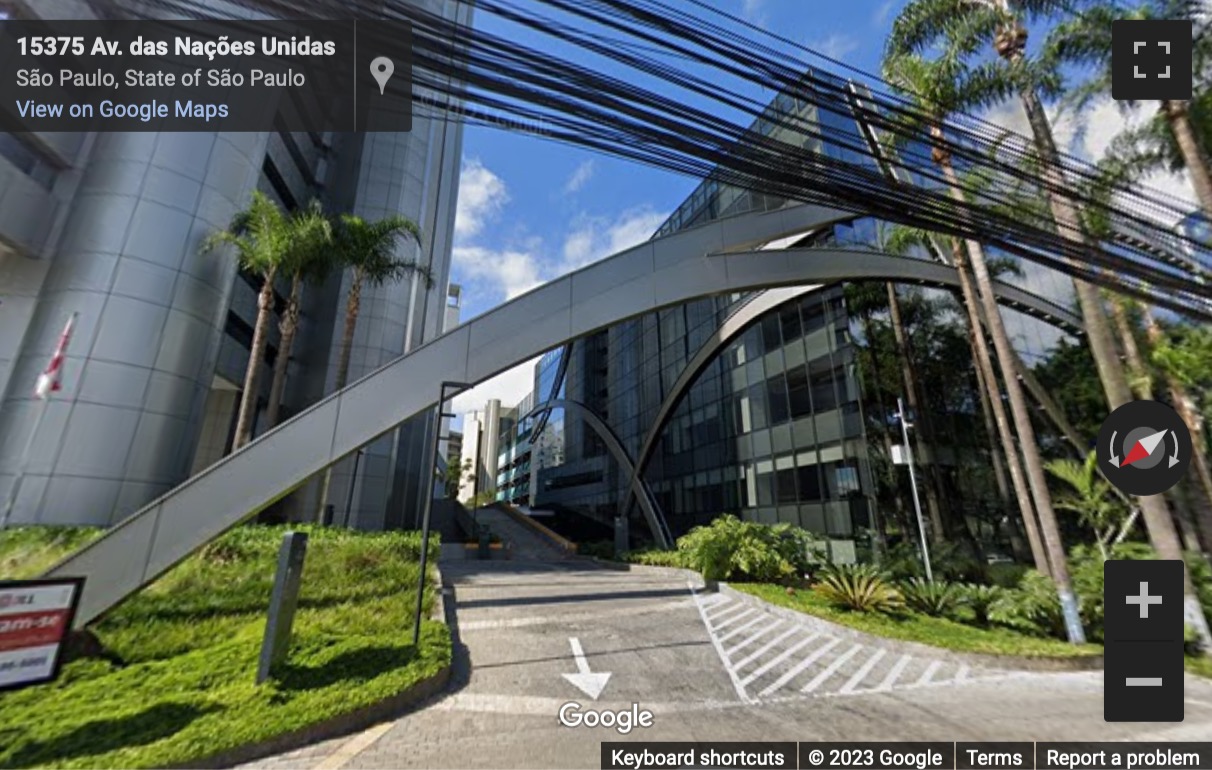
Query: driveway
{"type": "Point", "coordinates": [708, 668]}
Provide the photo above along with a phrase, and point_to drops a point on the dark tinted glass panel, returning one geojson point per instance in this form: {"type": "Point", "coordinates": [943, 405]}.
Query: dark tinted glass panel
{"type": "Point", "coordinates": [789, 320]}
{"type": "Point", "coordinates": [786, 485]}
{"type": "Point", "coordinates": [776, 392]}
{"type": "Point", "coordinates": [810, 483]}
{"type": "Point", "coordinates": [770, 333]}
{"type": "Point", "coordinates": [797, 391]}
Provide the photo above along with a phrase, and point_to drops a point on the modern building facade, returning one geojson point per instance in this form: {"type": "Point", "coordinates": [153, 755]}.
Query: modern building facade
{"type": "Point", "coordinates": [110, 226]}
{"type": "Point", "coordinates": [773, 428]}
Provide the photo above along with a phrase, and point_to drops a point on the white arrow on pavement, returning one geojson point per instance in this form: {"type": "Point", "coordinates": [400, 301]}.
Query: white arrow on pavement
{"type": "Point", "coordinates": [588, 682]}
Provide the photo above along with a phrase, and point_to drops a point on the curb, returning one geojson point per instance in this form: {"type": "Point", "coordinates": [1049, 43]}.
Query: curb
{"type": "Point", "coordinates": [389, 708]}
{"type": "Point", "coordinates": [1018, 662]}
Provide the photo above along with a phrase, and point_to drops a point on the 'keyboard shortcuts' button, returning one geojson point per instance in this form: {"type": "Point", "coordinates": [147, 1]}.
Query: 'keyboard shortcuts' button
{"type": "Point", "coordinates": [1151, 59]}
{"type": "Point", "coordinates": [1143, 601]}
{"type": "Point", "coordinates": [1143, 681]}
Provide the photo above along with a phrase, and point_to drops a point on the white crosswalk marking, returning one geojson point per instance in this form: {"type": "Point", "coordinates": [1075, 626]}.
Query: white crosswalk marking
{"type": "Point", "coordinates": [832, 669]}
{"type": "Point", "coordinates": [862, 673]}
{"type": "Point", "coordinates": [742, 645]}
{"type": "Point", "coordinates": [934, 666]}
{"type": "Point", "coordinates": [761, 618]}
{"type": "Point", "coordinates": [782, 656]}
{"type": "Point", "coordinates": [894, 673]}
{"type": "Point", "coordinates": [779, 657]}
{"type": "Point", "coordinates": [734, 618]}
{"type": "Point", "coordinates": [798, 667]}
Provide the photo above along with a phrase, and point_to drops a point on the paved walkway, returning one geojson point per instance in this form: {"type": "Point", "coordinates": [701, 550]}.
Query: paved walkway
{"type": "Point", "coordinates": [526, 544]}
{"type": "Point", "coordinates": [681, 654]}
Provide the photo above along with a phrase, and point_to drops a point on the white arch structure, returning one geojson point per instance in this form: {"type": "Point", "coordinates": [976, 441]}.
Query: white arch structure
{"type": "Point", "coordinates": [718, 257]}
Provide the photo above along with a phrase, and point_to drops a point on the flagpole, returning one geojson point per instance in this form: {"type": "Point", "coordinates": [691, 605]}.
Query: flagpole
{"type": "Point", "coordinates": [48, 383]}
{"type": "Point", "coordinates": [29, 448]}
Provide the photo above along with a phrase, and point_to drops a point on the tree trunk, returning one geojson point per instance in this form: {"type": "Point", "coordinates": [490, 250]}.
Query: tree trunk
{"type": "Point", "coordinates": [1193, 155]}
{"type": "Point", "coordinates": [1153, 508]}
{"type": "Point", "coordinates": [1138, 371]}
{"type": "Point", "coordinates": [353, 304]}
{"type": "Point", "coordinates": [256, 353]}
{"type": "Point", "coordinates": [1032, 462]}
{"type": "Point", "coordinates": [902, 518]}
{"type": "Point", "coordinates": [287, 327]}
{"type": "Point", "coordinates": [984, 360]}
{"type": "Point", "coordinates": [910, 379]}
{"type": "Point", "coordinates": [996, 422]}
{"type": "Point", "coordinates": [1202, 502]}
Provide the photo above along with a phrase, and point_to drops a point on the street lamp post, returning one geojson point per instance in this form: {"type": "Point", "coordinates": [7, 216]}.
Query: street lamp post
{"type": "Point", "coordinates": [917, 504]}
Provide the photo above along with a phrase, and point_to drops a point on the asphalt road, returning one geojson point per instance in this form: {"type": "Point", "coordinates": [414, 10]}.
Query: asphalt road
{"type": "Point", "coordinates": [709, 669]}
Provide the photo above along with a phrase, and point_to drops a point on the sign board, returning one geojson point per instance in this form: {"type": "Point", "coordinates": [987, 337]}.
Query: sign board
{"type": "Point", "coordinates": [898, 454]}
{"type": "Point", "coordinates": [35, 617]}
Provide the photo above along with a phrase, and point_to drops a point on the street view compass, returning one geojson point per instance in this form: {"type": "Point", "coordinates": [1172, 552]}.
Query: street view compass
{"type": "Point", "coordinates": [1144, 448]}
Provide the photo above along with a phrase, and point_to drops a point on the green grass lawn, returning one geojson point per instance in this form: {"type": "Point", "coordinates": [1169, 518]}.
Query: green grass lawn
{"type": "Point", "coordinates": [184, 651]}
{"type": "Point", "coordinates": [913, 627]}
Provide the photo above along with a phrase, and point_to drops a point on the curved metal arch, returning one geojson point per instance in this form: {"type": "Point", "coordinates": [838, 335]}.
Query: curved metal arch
{"type": "Point", "coordinates": [711, 259]}
{"type": "Point", "coordinates": [771, 299]}
{"type": "Point", "coordinates": [656, 522]}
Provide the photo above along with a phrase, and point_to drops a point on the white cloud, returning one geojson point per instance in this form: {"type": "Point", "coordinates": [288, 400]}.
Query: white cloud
{"type": "Point", "coordinates": [482, 194]}
{"type": "Point", "coordinates": [511, 271]}
{"type": "Point", "coordinates": [596, 237]}
{"type": "Point", "coordinates": [883, 13]}
{"type": "Point", "coordinates": [836, 46]}
{"type": "Point", "coordinates": [510, 387]}
{"type": "Point", "coordinates": [579, 178]}
{"type": "Point", "coordinates": [1105, 120]}
{"type": "Point", "coordinates": [754, 11]}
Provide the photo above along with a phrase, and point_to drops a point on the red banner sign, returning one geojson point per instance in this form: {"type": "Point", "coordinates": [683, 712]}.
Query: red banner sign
{"type": "Point", "coordinates": [35, 616]}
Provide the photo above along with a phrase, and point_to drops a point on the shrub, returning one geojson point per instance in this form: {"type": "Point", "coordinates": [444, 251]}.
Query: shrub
{"type": "Point", "coordinates": [938, 599]}
{"type": "Point", "coordinates": [859, 587]}
{"type": "Point", "coordinates": [1006, 574]}
{"type": "Point", "coordinates": [656, 558]}
{"type": "Point", "coordinates": [1032, 608]}
{"type": "Point", "coordinates": [731, 549]}
{"type": "Point", "coordinates": [948, 561]}
{"type": "Point", "coordinates": [981, 600]}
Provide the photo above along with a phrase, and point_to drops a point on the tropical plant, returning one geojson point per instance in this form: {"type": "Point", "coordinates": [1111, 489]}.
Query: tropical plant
{"type": "Point", "coordinates": [456, 474]}
{"type": "Point", "coordinates": [1092, 499]}
{"type": "Point", "coordinates": [262, 238]}
{"type": "Point", "coordinates": [980, 599]}
{"type": "Point", "coordinates": [310, 261]}
{"type": "Point", "coordinates": [939, 86]}
{"type": "Point", "coordinates": [1082, 42]}
{"type": "Point", "coordinates": [368, 249]}
{"type": "Point", "coordinates": [484, 498]}
{"type": "Point", "coordinates": [937, 599]}
{"type": "Point", "coordinates": [731, 549]}
{"type": "Point", "coordinates": [970, 29]}
{"type": "Point", "coordinates": [1032, 608]}
{"type": "Point", "coordinates": [859, 587]}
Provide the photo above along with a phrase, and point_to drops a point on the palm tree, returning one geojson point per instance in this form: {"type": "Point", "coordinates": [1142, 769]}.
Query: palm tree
{"type": "Point", "coordinates": [310, 260]}
{"type": "Point", "coordinates": [261, 236]}
{"type": "Point", "coordinates": [1093, 501]}
{"type": "Point", "coordinates": [932, 85]}
{"type": "Point", "coordinates": [368, 249]}
{"type": "Point", "coordinates": [968, 26]}
{"type": "Point", "coordinates": [1084, 40]}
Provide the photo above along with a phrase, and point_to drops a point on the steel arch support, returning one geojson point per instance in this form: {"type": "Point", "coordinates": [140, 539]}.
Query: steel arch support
{"type": "Point", "coordinates": [703, 261]}
{"type": "Point", "coordinates": [656, 522]}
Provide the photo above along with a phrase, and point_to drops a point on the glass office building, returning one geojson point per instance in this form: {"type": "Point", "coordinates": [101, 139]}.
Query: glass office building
{"type": "Point", "coordinates": [771, 429]}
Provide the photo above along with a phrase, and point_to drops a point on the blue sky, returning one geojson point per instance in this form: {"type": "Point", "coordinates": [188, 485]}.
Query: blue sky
{"type": "Point", "coordinates": [531, 210]}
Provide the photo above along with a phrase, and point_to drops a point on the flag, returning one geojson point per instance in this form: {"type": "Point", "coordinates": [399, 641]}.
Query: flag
{"type": "Point", "coordinates": [50, 379]}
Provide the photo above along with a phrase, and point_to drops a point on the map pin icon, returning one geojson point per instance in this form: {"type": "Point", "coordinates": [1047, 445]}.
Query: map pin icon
{"type": "Point", "coordinates": [381, 68]}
